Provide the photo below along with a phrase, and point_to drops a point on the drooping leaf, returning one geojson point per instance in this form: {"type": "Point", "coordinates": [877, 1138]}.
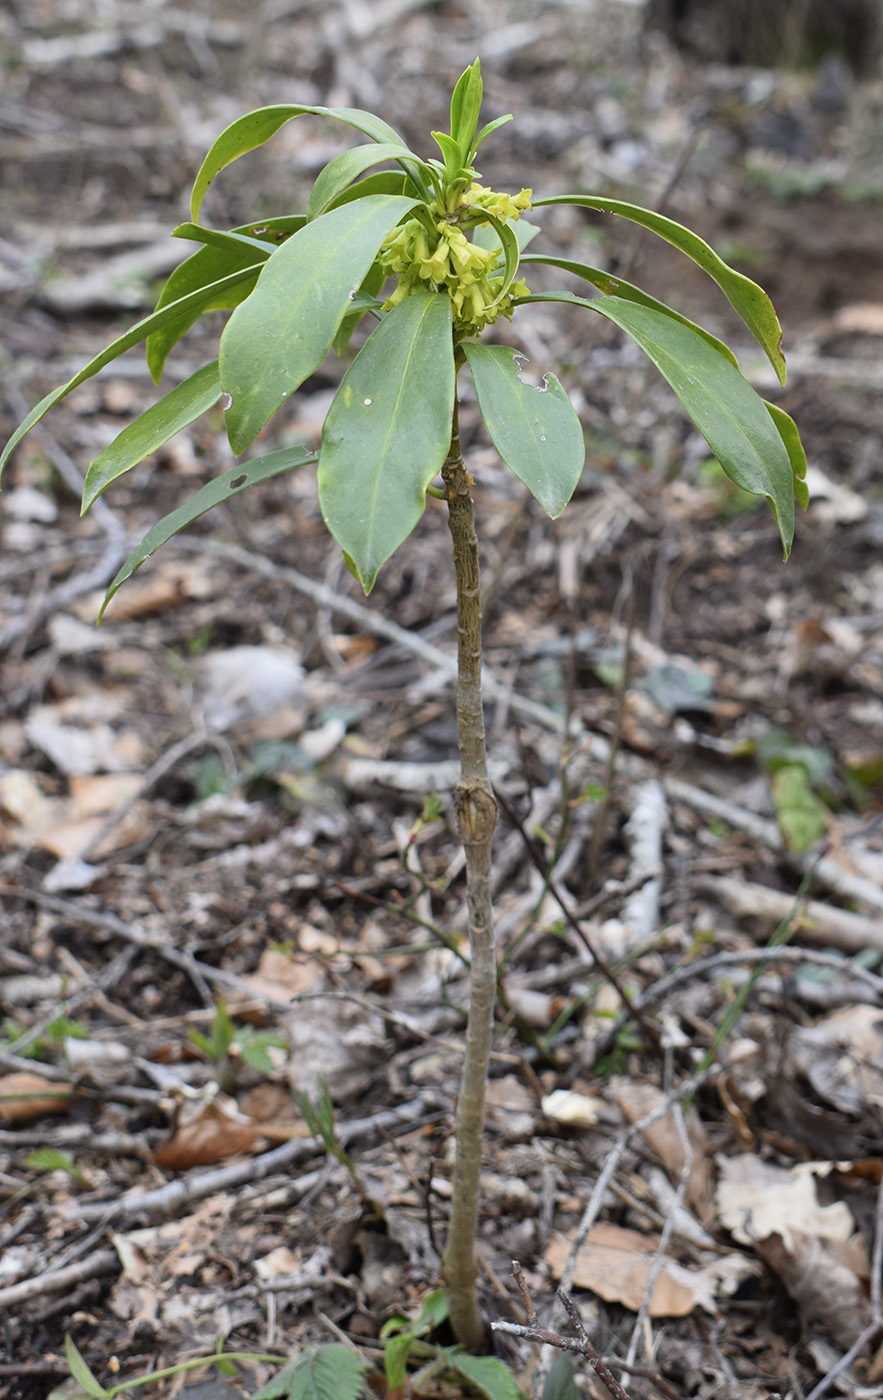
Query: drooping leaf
{"type": "Point", "coordinates": [524, 232]}
{"type": "Point", "coordinates": [223, 257]}
{"type": "Point", "coordinates": [252, 130]}
{"type": "Point", "coordinates": [388, 431]}
{"type": "Point", "coordinates": [81, 1372]}
{"type": "Point", "coordinates": [383, 182]}
{"type": "Point", "coordinates": [745, 296]}
{"type": "Point", "coordinates": [732, 418]}
{"type": "Point", "coordinates": [182, 406]}
{"type": "Point", "coordinates": [617, 287]}
{"type": "Point", "coordinates": [509, 243]}
{"type": "Point", "coordinates": [343, 169]}
{"type": "Point", "coordinates": [230, 238]}
{"type": "Point", "coordinates": [488, 1373]}
{"type": "Point", "coordinates": [332, 1372]}
{"type": "Point", "coordinates": [535, 430]}
{"type": "Point", "coordinates": [787, 430]}
{"type": "Point", "coordinates": [140, 331]}
{"type": "Point", "coordinates": [276, 338]}
{"type": "Point", "coordinates": [231, 483]}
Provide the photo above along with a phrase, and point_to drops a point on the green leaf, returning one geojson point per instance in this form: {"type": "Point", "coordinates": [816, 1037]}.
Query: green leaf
{"type": "Point", "coordinates": [454, 161]}
{"type": "Point", "coordinates": [388, 432]}
{"type": "Point", "coordinates": [731, 417]}
{"type": "Point", "coordinates": [333, 1372]}
{"type": "Point", "coordinates": [340, 172]}
{"type": "Point", "coordinates": [465, 107]}
{"type": "Point", "coordinates": [182, 406]}
{"type": "Point", "coordinates": [367, 300]}
{"type": "Point", "coordinates": [560, 1384]}
{"type": "Point", "coordinates": [486, 237]}
{"type": "Point", "coordinates": [252, 130]}
{"type": "Point", "coordinates": [491, 1375]}
{"type": "Point", "coordinates": [276, 338]}
{"type": "Point", "coordinates": [787, 430]}
{"type": "Point", "coordinates": [802, 816]}
{"type": "Point", "coordinates": [395, 1360]}
{"type": "Point", "coordinates": [486, 131]}
{"type": "Point", "coordinates": [511, 253]}
{"type": "Point", "coordinates": [225, 255]}
{"type": "Point", "coordinates": [140, 331]}
{"type": "Point", "coordinates": [81, 1373]}
{"type": "Point", "coordinates": [234, 481]}
{"type": "Point", "coordinates": [384, 182]}
{"type": "Point", "coordinates": [616, 286]}
{"type": "Point", "coordinates": [751, 301]}
{"type": "Point", "coordinates": [535, 430]}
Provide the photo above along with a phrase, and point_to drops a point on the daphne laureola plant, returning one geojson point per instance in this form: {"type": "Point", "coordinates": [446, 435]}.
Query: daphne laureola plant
{"type": "Point", "coordinates": [425, 258]}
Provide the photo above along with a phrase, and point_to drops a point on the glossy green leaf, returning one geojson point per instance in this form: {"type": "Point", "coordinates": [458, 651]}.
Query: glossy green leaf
{"type": "Point", "coordinates": [535, 430]}
{"type": "Point", "coordinates": [232, 238]}
{"type": "Point", "coordinates": [368, 299]}
{"type": "Point", "coordinates": [746, 297]}
{"type": "Point", "coordinates": [384, 182]}
{"type": "Point", "coordinates": [511, 253]}
{"type": "Point", "coordinates": [231, 483]}
{"type": "Point", "coordinates": [340, 172]}
{"type": "Point", "coordinates": [465, 107]}
{"type": "Point", "coordinates": [787, 430]}
{"type": "Point", "coordinates": [210, 264]}
{"type": "Point", "coordinates": [454, 163]}
{"type": "Point", "coordinates": [196, 300]}
{"type": "Point", "coordinates": [486, 130]}
{"type": "Point", "coordinates": [276, 338]}
{"type": "Point", "coordinates": [182, 406]}
{"type": "Point", "coordinates": [252, 130]}
{"type": "Point", "coordinates": [388, 432]}
{"type": "Point", "coordinates": [732, 418]}
{"type": "Point", "coordinates": [617, 287]}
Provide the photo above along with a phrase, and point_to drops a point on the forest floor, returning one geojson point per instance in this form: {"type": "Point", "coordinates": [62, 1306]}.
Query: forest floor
{"type": "Point", "coordinates": [225, 813]}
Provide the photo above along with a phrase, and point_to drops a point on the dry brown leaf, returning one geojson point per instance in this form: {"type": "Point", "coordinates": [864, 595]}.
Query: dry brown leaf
{"type": "Point", "coordinates": [823, 1286]}
{"type": "Point", "coordinates": [637, 1099]}
{"type": "Point", "coordinates": [615, 1264]}
{"type": "Point", "coordinates": [756, 1199]}
{"type": "Point", "coordinates": [281, 977]}
{"type": "Point", "coordinates": [208, 1138]}
{"type": "Point", "coordinates": [24, 1096]}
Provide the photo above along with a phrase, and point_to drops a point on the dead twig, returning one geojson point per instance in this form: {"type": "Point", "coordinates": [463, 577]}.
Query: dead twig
{"type": "Point", "coordinates": [581, 1343]}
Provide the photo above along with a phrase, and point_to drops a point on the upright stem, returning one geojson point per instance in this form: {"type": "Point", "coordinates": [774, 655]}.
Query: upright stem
{"type": "Point", "coordinates": [476, 809]}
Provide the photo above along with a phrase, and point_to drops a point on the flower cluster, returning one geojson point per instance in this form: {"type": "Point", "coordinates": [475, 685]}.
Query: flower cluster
{"type": "Point", "coordinates": [436, 254]}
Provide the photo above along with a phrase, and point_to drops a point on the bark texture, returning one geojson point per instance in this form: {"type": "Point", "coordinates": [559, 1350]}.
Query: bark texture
{"type": "Point", "coordinates": [476, 809]}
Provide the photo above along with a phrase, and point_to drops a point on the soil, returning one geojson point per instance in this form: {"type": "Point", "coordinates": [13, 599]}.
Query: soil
{"type": "Point", "coordinates": [172, 838]}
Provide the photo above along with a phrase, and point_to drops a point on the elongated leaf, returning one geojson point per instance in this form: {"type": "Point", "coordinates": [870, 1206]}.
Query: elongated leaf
{"type": "Point", "coordinates": [252, 130]}
{"type": "Point", "coordinates": [276, 338]}
{"type": "Point", "coordinates": [81, 1372]}
{"type": "Point", "coordinates": [388, 432]}
{"type": "Point", "coordinates": [617, 287]}
{"type": "Point", "coordinates": [384, 182]}
{"type": "Point", "coordinates": [232, 483]}
{"type": "Point", "coordinates": [732, 418]}
{"type": "Point", "coordinates": [132, 337]}
{"type": "Point", "coordinates": [222, 258]}
{"type": "Point", "coordinates": [486, 237]}
{"type": "Point", "coordinates": [751, 301]}
{"type": "Point", "coordinates": [465, 107]}
{"type": "Point", "coordinates": [366, 300]}
{"type": "Point", "coordinates": [509, 244]}
{"type": "Point", "coordinates": [486, 131]}
{"type": "Point", "coordinates": [198, 233]}
{"type": "Point", "coordinates": [536, 431]}
{"type": "Point", "coordinates": [343, 170]}
{"type": "Point", "coordinates": [787, 430]}
{"type": "Point", "coordinates": [182, 406]}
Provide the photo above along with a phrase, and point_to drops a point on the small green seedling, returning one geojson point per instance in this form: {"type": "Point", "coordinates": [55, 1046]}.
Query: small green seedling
{"type": "Point", "coordinates": [422, 258]}
{"type": "Point", "coordinates": [415, 1364]}
{"type": "Point", "coordinates": [227, 1042]}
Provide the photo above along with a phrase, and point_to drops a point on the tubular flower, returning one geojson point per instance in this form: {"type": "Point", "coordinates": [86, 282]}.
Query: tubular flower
{"type": "Point", "coordinates": [445, 259]}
